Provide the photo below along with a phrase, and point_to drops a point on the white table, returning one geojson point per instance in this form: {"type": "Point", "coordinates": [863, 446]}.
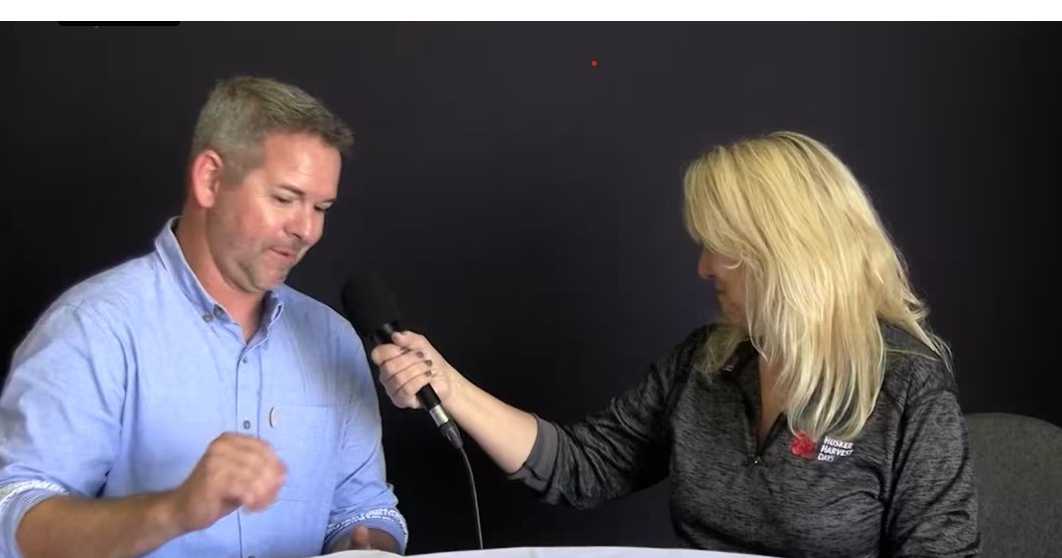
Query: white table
{"type": "Point", "coordinates": [558, 552]}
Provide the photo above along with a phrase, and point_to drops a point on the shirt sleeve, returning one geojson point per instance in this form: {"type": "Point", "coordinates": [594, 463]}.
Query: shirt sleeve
{"type": "Point", "coordinates": [60, 414]}
{"type": "Point", "coordinates": [363, 496]}
{"type": "Point", "coordinates": [615, 451]}
{"type": "Point", "coordinates": [934, 509]}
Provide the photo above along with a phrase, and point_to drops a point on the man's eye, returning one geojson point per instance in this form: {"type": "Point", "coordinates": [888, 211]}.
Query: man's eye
{"type": "Point", "coordinates": [282, 200]}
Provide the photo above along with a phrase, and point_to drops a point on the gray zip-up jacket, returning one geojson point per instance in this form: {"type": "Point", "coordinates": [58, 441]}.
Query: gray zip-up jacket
{"type": "Point", "coordinates": [903, 488]}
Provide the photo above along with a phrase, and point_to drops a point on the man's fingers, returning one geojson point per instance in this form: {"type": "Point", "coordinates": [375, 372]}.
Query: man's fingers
{"type": "Point", "coordinates": [231, 443]}
{"type": "Point", "coordinates": [242, 468]}
{"type": "Point", "coordinates": [244, 450]}
{"type": "Point", "coordinates": [257, 488]}
{"type": "Point", "coordinates": [359, 538]}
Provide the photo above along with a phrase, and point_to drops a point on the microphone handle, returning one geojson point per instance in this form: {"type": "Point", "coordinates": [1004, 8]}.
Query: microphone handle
{"type": "Point", "coordinates": [427, 396]}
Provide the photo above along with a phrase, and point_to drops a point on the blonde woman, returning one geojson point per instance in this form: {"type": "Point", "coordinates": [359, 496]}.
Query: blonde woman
{"type": "Point", "coordinates": [819, 419]}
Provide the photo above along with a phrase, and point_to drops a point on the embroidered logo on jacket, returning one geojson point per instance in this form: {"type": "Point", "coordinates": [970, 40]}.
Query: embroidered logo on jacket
{"type": "Point", "coordinates": [803, 446]}
{"type": "Point", "coordinates": [831, 449]}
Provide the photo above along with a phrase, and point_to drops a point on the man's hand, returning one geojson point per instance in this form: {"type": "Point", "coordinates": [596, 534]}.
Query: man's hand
{"type": "Point", "coordinates": [235, 471]}
{"type": "Point", "coordinates": [363, 538]}
{"type": "Point", "coordinates": [359, 538]}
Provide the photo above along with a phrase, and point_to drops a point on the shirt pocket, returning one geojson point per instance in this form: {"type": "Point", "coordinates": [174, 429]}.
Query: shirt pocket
{"type": "Point", "coordinates": [304, 439]}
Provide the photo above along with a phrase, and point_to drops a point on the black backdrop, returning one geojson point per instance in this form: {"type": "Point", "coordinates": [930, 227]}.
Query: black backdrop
{"type": "Point", "coordinates": [526, 205]}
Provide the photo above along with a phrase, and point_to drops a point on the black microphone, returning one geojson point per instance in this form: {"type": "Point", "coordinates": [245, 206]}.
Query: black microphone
{"type": "Point", "coordinates": [372, 309]}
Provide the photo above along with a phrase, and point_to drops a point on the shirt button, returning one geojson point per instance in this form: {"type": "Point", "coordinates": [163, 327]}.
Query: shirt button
{"type": "Point", "coordinates": [244, 360]}
{"type": "Point", "coordinates": [246, 425]}
{"type": "Point", "coordinates": [208, 317]}
{"type": "Point", "coordinates": [756, 461]}
{"type": "Point", "coordinates": [217, 311]}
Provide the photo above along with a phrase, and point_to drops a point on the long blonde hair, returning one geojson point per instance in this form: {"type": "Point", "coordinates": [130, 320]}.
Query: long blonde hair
{"type": "Point", "coordinates": [820, 271]}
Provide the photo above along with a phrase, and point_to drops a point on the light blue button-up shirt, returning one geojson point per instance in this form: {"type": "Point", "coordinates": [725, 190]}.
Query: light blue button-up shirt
{"type": "Point", "coordinates": [126, 379]}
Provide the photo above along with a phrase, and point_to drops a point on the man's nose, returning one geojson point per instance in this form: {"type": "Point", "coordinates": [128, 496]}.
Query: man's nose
{"type": "Point", "coordinates": [301, 226]}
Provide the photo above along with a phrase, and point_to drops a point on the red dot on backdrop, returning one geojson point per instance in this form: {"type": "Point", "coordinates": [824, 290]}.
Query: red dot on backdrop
{"type": "Point", "coordinates": [593, 62]}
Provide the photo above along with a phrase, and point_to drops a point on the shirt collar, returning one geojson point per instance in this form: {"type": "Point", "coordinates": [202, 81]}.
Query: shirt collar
{"type": "Point", "coordinates": [173, 260]}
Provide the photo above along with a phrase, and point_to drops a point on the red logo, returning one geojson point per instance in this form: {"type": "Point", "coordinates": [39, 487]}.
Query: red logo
{"type": "Point", "coordinates": [803, 446]}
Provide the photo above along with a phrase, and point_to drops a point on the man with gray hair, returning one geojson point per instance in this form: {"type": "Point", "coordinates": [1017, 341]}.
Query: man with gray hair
{"type": "Point", "coordinates": [188, 402]}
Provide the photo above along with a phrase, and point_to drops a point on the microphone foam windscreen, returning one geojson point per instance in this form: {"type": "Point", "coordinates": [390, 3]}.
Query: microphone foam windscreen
{"type": "Point", "coordinates": [368, 303]}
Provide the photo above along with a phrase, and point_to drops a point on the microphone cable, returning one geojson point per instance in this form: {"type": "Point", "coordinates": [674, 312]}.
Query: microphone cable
{"type": "Point", "coordinates": [475, 498]}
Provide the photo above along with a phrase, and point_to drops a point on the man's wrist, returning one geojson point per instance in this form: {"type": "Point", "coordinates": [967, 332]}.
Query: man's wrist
{"type": "Point", "coordinates": [163, 517]}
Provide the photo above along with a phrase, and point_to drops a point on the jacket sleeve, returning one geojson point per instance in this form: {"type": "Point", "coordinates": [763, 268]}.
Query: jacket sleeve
{"type": "Point", "coordinates": [615, 451]}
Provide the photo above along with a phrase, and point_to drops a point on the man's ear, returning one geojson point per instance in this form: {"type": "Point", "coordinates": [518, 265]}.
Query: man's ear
{"type": "Point", "coordinates": [206, 177]}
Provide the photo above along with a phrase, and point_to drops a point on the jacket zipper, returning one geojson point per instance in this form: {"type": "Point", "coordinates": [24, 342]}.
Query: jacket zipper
{"type": "Point", "coordinates": [757, 456]}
